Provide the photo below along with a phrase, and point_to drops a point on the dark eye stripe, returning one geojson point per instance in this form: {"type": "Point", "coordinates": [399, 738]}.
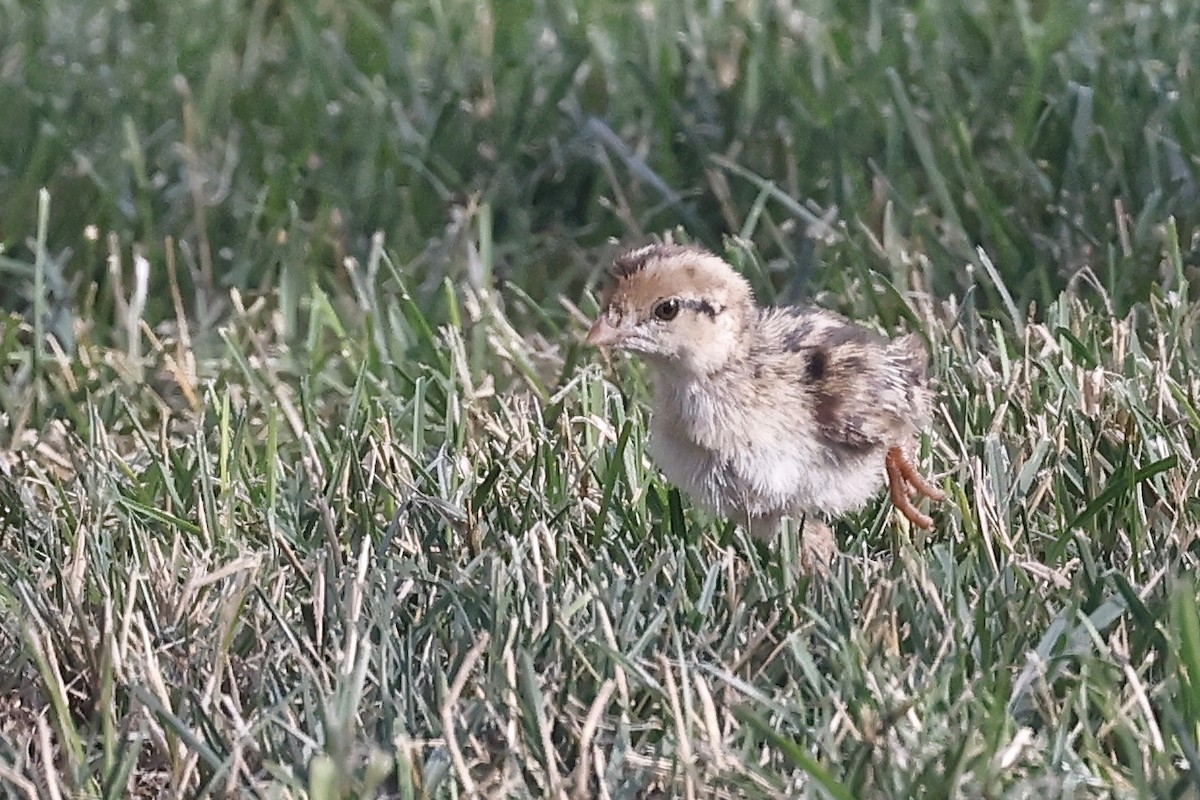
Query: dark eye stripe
{"type": "Point", "coordinates": [703, 306]}
{"type": "Point", "coordinates": [667, 310]}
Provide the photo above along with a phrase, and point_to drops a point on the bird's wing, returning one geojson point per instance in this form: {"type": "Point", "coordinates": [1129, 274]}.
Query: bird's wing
{"type": "Point", "coordinates": [864, 390]}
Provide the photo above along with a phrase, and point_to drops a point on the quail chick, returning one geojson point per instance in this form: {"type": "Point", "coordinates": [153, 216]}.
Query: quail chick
{"type": "Point", "coordinates": [761, 413]}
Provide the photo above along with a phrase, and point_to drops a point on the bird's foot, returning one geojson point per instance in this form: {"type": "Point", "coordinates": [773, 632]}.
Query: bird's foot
{"type": "Point", "coordinates": [904, 478]}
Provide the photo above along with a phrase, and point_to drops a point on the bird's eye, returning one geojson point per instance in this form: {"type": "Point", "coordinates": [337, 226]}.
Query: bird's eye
{"type": "Point", "coordinates": [668, 309]}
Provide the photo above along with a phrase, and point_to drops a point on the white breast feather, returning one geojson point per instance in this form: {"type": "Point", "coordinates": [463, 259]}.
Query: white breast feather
{"type": "Point", "coordinates": [764, 470]}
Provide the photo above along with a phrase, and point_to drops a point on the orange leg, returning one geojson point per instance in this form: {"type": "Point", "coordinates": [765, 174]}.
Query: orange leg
{"type": "Point", "coordinates": [901, 475]}
{"type": "Point", "coordinates": [914, 478]}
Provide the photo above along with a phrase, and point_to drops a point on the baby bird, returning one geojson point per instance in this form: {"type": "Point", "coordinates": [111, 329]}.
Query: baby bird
{"type": "Point", "coordinates": [761, 413]}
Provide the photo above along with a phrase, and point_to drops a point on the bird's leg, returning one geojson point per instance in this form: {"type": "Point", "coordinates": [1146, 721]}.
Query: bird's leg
{"type": "Point", "coordinates": [901, 474]}
{"type": "Point", "coordinates": [914, 478]}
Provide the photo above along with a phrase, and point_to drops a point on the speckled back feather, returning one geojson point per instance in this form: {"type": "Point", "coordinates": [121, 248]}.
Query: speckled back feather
{"type": "Point", "coordinates": [866, 390]}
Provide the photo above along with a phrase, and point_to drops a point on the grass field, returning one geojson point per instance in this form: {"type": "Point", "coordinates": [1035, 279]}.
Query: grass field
{"type": "Point", "coordinates": [308, 487]}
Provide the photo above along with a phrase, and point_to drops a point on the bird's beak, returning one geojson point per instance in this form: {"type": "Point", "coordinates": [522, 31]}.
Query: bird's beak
{"type": "Point", "coordinates": [604, 334]}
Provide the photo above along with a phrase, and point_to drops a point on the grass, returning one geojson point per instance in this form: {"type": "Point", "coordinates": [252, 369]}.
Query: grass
{"type": "Point", "coordinates": [308, 488]}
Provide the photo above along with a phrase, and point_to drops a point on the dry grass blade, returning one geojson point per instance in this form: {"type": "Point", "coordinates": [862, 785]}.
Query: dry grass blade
{"type": "Point", "coordinates": [449, 726]}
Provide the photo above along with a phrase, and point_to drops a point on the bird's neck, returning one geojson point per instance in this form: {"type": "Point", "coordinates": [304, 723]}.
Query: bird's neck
{"type": "Point", "coordinates": [704, 375]}
{"type": "Point", "coordinates": [723, 348]}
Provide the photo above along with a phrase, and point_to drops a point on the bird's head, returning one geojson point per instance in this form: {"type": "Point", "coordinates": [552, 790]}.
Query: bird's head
{"type": "Point", "coordinates": [679, 306]}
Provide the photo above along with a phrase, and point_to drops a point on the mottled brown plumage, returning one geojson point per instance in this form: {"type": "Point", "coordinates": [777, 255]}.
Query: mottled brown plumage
{"type": "Point", "coordinates": [760, 413]}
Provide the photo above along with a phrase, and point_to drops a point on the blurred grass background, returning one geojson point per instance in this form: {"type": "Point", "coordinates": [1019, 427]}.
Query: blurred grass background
{"type": "Point", "coordinates": [309, 490]}
{"type": "Point", "coordinates": [278, 137]}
